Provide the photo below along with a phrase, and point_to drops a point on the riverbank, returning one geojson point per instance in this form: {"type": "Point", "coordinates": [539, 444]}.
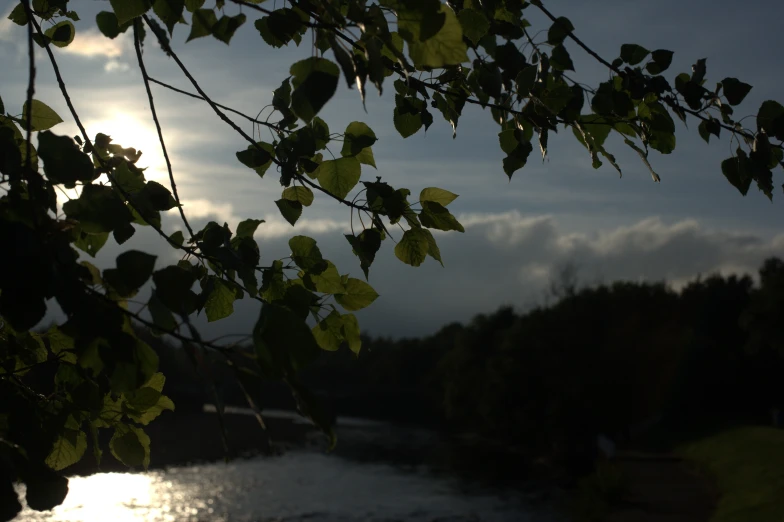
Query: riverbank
{"type": "Point", "coordinates": [729, 475]}
{"type": "Point", "coordinates": [747, 464]}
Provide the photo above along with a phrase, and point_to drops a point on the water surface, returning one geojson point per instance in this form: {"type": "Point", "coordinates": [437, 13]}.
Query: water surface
{"type": "Point", "coordinates": [298, 486]}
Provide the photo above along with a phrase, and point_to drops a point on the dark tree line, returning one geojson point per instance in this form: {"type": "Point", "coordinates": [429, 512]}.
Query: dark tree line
{"type": "Point", "coordinates": [612, 359]}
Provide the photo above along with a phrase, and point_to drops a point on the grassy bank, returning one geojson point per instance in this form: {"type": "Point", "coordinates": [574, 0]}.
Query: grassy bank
{"type": "Point", "coordinates": [747, 464]}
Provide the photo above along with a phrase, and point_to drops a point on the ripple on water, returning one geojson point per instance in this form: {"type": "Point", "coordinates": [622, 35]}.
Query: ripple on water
{"type": "Point", "coordinates": [295, 487]}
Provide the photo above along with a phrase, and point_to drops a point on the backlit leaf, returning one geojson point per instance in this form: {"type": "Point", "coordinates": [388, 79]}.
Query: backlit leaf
{"type": "Point", "coordinates": [357, 296]}
{"type": "Point", "coordinates": [446, 47]}
{"type": "Point", "coordinates": [315, 80]}
{"type": "Point", "coordinates": [61, 34]}
{"type": "Point", "coordinates": [299, 193]}
{"type": "Point", "coordinates": [131, 446]}
{"type": "Point", "coordinates": [129, 9]}
{"type": "Point", "coordinates": [290, 210]}
{"type": "Point", "coordinates": [248, 227]}
{"type": "Point", "coordinates": [42, 116]}
{"type": "Point", "coordinates": [412, 247]}
{"type": "Point", "coordinates": [339, 176]}
{"type": "Point", "coordinates": [439, 195]}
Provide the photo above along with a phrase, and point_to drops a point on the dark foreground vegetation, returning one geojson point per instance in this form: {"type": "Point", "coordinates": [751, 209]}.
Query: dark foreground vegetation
{"type": "Point", "coordinates": [679, 376]}
{"type": "Point", "coordinates": [616, 359]}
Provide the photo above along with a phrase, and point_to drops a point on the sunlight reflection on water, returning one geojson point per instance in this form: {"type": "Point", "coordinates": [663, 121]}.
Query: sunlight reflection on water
{"type": "Point", "coordinates": [291, 488]}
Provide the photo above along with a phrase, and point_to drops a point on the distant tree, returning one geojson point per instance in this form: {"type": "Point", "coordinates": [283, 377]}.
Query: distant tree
{"type": "Point", "coordinates": [104, 375]}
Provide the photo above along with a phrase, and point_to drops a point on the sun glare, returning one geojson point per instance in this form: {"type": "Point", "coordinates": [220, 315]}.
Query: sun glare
{"type": "Point", "coordinates": [116, 497]}
{"type": "Point", "coordinates": [131, 131]}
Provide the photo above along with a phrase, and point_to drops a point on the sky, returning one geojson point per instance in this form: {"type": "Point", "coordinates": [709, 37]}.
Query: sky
{"type": "Point", "coordinates": [519, 233]}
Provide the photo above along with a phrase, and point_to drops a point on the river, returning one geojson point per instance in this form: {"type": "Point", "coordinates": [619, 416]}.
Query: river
{"type": "Point", "coordinates": [373, 477]}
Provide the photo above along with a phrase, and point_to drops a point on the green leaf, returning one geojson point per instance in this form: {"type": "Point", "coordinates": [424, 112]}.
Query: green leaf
{"type": "Point", "coordinates": [474, 23]}
{"type": "Point", "coordinates": [339, 176]}
{"type": "Point", "coordinates": [225, 28]}
{"type": "Point", "coordinates": [517, 147]}
{"type": "Point", "coordinates": [434, 215]}
{"type": "Point", "coordinates": [433, 250]}
{"type": "Point", "coordinates": [18, 16]}
{"type": "Point", "coordinates": [282, 26]}
{"type": "Point", "coordinates": [202, 22]}
{"type": "Point", "coordinates": [220, 300]}
{"type": "Point", "coordinates": [147, 403]}
{"type": "Point", "coordinates": [301, 194]}
{"type": "Point", "coordinates": [63, 161]}
{"type": "Point", "coordinates": [248, 227]}
{"type": "Point", "coordinates": [738, 171]}
{"type": "Point", "coordinates": [708, 127]}
{"type": "Point", "coordinates": [770, 118]}
{"type": "Point", "coordinates": [306, 254]}
{"type": "Point", "coordinates": [177, 238]}
{"type": "Point", "coordinates": [328, 281]}
{"type": "Point", "coordinates": [661, 61]}
{"type": "Point", "coordinates": [526, 79]}
{"type": "Point", "coordinates": [45, 488]}
{"type": "Point", "coordinates": [328, 332]}
{"type": "Point", "coordinates": [315, 81]}
{"type": "Point", "coordinates": [254, 157]}
{"type": "Point", "coordinates": [351, 333]}
{"type": "Point", "coordinates": [439, 195]}
{"type": "Point", "coordinates": [91, 243]}
{"type": "Point", "coordinates": [130, 445]}
{"type": "Point", "coordinates": [735, 90]}
{"type": "Point", "coordinates": [291, 210]}
{"type": "Point", "coordinates": [193, 5]}
{"type": "Point", "coordinates": [633, 53]}
{"type": "Point", "coordinates": [407, 124]}
{"type": "Point", "coordinates": [134, 268]}
{"type": "Point", "coordinates": [357, 141]}
{"type": "Point", "coordinates": [365, 247]}
{"type": "Point", "coordinates": [446, 47]}
{"type": "Point", "coordinates": [560, 59]}
{"type": "Point", "coordinates": [161, 315]}
{"type": "Point", "coordinates": [61, 34]}
{"type": "Point", "coordinates": [42, 116]}
{"type": "Point", "coordinates": [127, 10]}
{"type": "Point", "coordinates": [173, 288]}
{"type": "Point", "coordinates": [357, 296]}
{"type": "Point", "coordinates": [284, 343]}
{"type": "Point", "coordinates": [169, 11]}
{"type": "Point", "coordinates": [557, 97]}
{"type": "Point", "coordinates": [559, 31]}
{"type": "Point", "coordinates": [108, 24]}
{"type": "Point", "coordinates": [68, 449]}
{"type": "Point", "coordinates": [412, 247]}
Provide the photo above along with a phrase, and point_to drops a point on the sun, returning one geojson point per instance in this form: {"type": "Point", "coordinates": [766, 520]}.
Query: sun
{"type": "Point", "coordinates": [130, 131]}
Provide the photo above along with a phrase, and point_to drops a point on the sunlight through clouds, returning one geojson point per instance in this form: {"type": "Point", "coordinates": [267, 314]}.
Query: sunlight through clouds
{"type": "Point", "coordinates": [91, 43]}
{"type": "Point", "coordinates": [132, 131]}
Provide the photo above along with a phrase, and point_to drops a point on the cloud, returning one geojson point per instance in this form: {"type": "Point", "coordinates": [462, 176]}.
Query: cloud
{"type": "Point", "coordinates": [91, 43]}
{"type": "Point", "coordinates": [203, 210]}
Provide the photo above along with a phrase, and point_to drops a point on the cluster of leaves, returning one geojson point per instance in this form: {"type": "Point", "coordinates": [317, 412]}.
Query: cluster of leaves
{"type": "Point", "coordinates": [93, 372]}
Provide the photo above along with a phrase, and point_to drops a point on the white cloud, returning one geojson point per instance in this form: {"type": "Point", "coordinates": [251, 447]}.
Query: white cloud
{"type": "Point", "coordinates": [273, 227]}
{"type": "Point", "coordinates": [91, 43]}
{"type": "Point", "coordinates": [115, 65]}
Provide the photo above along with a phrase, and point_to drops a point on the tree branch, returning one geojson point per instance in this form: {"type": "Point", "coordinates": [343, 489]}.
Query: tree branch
{"type": "Point", "coordinates": [30, 83]}
{"type": "Point", "coordinates": [146, 78]}
{"type": "Point", "coordinates": [224, 107]}
{"type": "Point", "coordinates": [236, 127]}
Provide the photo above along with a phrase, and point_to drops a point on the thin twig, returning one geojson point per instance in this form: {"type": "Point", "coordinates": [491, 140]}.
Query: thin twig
{"type": "Point", "coordinates": [125, 194]}
{"type": "Point", "coordinates": [570, 34]}
{"type": "Point", "coordinates": [30, 83]}
{"type": "Point", "coordinates": [146, 78]}
{"type": "Point", "coordinates": [236, 127]}
{"type": "Point", "coordinates": [224, 107]}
